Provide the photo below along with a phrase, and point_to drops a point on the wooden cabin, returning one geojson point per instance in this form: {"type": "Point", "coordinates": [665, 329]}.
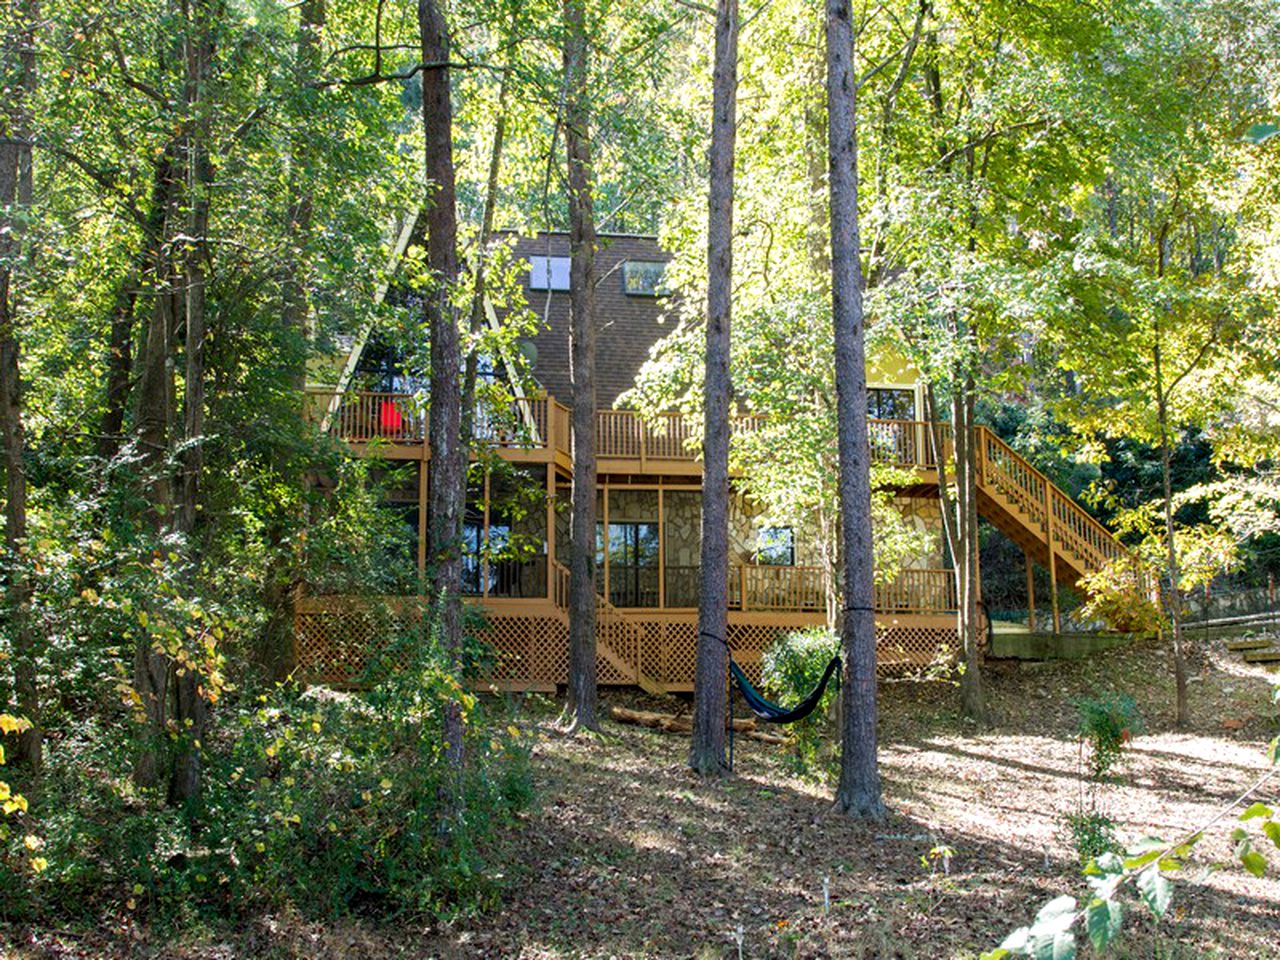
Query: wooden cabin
{"type": "Point", "coordinates": [649, 504]}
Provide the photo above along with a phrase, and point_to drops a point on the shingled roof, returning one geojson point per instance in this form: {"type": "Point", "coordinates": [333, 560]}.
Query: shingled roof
{"type": "Point", "coordinates": [628, 324]}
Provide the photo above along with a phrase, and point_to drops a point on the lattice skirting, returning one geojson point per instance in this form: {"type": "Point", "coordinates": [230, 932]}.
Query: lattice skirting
{"type": "Point", "coordinates": [334, 637]}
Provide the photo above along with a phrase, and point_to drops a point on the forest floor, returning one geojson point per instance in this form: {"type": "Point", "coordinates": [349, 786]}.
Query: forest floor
{"type": "Point", "coordinates": [627, 854]}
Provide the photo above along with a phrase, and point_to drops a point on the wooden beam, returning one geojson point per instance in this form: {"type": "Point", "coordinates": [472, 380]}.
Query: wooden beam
{"type": "Point", "coordinates": [1031, 592]}
{"type": "Point", "coordinates": [551, 531]}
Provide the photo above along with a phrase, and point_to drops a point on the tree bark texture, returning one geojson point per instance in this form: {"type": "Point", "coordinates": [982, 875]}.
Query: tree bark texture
{"type": "Point", "coordinates": [448, 453]}
{"type": "Point", "coordinates": [18, 76]}
{"type": "Point", "coordinates": [706, 753]}
{"type": "Point", "coordinates": [859, 790]}
{"type": "Point", "coordinates": [581, 707]}
{"type": "Point", "coordinates": [190, 708]}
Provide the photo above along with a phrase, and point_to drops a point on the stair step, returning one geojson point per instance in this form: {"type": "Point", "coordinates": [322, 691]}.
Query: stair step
{"type": "Point", "coordinates": [1239, 646]}
{"type": "Point", "coordinates": [1262, 656]}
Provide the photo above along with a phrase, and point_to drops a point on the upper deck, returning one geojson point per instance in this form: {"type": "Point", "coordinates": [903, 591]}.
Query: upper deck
{"type": "Point", "coordinates": [537, 430]}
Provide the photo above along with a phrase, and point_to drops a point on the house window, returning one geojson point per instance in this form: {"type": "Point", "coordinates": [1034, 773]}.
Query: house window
{"type": "Point", "coordinates": [633, 563]}
{"type": "Point", "coordinates": [891, 403]}
{"type": "Point", "coordinates": [644, 278]}
{"type": "Point", "coordinates": [776, 546]}
{"type": "Point", "coordinates": [548, 273]}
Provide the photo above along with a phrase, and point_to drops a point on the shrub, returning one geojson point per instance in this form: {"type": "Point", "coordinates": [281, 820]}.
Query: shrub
{"type": "Point", "coordinates": [790, 669]}
{"type": "Point", "coordinates": [1107, 724]}
{"type": "Point", "coordinates": [330, 802]}
{"type": "Point", "coordinates": [1092, 833]}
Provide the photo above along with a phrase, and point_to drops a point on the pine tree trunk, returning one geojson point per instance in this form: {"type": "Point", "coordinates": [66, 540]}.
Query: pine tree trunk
{"type": "Point", "coordinates": [859, 791]}
{"type": "Point", "coordinates": [448, 454]}
{"type": "Point", "coordinates": [706, 755]}
{"type": "Point", "coordinates": [581, 706]}
{"type": "Point", "coordinates": [18, 76]}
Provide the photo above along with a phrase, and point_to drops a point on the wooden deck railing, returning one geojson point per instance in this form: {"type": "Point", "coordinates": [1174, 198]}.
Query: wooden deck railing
{"type": "Point", "coordinates": [544, 423]}
{"type": "Point", "coordinates": [361, 416]}
{"type": "Point", "coordinates": [1061, 522]}
{"type": "Point", "coordinates": [918, 591]}
{"type": "Point", "coordinates": [767, 588]}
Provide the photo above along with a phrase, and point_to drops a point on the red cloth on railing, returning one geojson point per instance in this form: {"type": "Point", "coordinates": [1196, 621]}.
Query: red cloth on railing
{"type": "Point", "coordinates": [390, 420]}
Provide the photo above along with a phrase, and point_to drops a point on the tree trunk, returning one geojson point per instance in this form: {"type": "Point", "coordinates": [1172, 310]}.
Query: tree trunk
{"type": "Point", "coordinates": [1173, 590]}
{"type": "Point", "coordinates": [119, 361]}
{"type": "Point", "coordinates": [448, 454]}
{"type": "Point", "coordinates": [959, 525]}
{"type": "Point", "coordinates": [706, 754]}
{"type": "Point", "coordinates": [151, 680]}
{"type": "Point", "coordinates": [581, 707]}
{"type": "Point", "coordinates": [859, 790]}
{"type": "Point", "coordinates": [18, 75]}
{"type": "Point", "coordinates": [972, 702]}
{"type": "Point", "coordinates": [189, 704]}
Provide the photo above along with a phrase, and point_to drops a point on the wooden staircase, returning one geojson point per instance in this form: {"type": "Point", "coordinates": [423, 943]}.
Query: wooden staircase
{"type": "Point", "coordinates": [1031, 511]}
{"type": "Point", "coordinates": [618, 637]}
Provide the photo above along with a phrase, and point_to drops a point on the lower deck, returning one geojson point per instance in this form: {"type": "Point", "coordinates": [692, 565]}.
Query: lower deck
{"type": "Point", "coordinates": [653, 649]}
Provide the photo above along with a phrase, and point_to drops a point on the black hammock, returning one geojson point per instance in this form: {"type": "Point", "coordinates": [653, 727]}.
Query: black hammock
{"type": "Point", "coordinates": [772, 712]}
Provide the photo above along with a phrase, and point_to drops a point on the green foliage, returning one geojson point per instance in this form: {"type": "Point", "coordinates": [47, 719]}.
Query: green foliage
{"type": "Point", "coordinates": [1092, 833]}
{"type": "Point", "coordinates": [790, 669]}
{"type": "Point", "coordinates": [327, 802]}
{"type": "Point", "coordinates": [1107, 725]}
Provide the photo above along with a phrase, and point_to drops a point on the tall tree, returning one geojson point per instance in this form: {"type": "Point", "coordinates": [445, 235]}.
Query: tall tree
{"type": "Point", "coordinates": [18, 78]}
{"type": "Point", "coordinates": [706, 755]}
{"type": "Point", "coordinates": [448, 452]}
{"type": "Point", "coordinates": [859, 790]}
{"type": "Point", "coordinates": [582, 305]}
{"type": "Point", "coordinates": [189, 699]}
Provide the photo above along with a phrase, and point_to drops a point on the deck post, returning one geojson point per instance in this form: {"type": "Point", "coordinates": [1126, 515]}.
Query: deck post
{"type": "Point", "coordinates": [662, 552]}
{"type": "Point", "coordinates": [551, 521]}
{"type": "Point", "coordinates": [1031, 592]}
{"type": "Point", "coordinates": [1053, 557]}
{"type": "Point", "coordinates": [484, 550]}
{"type": "Point", "coordinates": [604, 522]}
{"type": "Point", "coordinates": [422, 514]}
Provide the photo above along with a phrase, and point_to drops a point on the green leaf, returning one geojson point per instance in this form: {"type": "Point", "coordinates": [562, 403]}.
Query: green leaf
{"type": "Point", "coordinates": [1155, 889]}
{"type": "Point", "coordinates": [1257, 810]}
{"type": "Point", "coordinates": [999, 953]}
{"type": "Point", "coordinates": [1107, 864]}
{"type": "Point", "coordinates": [1055, 910]}
{"type": "Point", "coordinates": [1273, 751]}
{"type": "Point", "coordinates": [1103, 919]}
{"type": "Point", "coordinates": [1136, 863]}
{"type": "Point", "coordinates": [1016, 942]}
{"type": "Point", "coordinates": [1055, 946]}
{"type": "Point", "coordinates": [1254, 862]}
{"type": "Point", "coordinates": [1272, 830]}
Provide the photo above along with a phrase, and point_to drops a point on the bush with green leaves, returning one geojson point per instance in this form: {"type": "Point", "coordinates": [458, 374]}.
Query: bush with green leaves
{"type": "Point", "coordinates": [1107, 724]}
{"type": "Point", "coordinates": [790, 669]}
{"type": "Point", "coordinates": [1091, 832]}
{"type": "Point", "coordinates": [328, 802]}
